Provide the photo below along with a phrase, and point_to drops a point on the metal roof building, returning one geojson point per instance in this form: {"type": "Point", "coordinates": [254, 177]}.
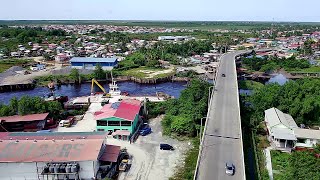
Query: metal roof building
{"type": "Point", "coordinates": [90, 63]}
{"type": "Point", "coordinates": [280, 128]}
{"type": "Point", "coordinates": [121, 118]}
{"type": "Point", "coordinates": [55, 155]}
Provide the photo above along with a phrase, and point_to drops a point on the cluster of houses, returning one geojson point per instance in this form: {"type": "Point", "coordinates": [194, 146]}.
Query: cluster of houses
{"type": "Point", "coordinates": [87, 29]}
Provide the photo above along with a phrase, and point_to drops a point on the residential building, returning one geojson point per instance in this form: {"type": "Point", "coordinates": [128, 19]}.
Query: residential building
{"type": "Point", "coordinates": [90, 63]}
{"type": "Point", "coordinates": [307, 138]}
{"type": "Point", "coordinates": [120, 118]}
{"type": "Point", "coordinates": [57, 155]}
{"type": "Point", "coordinates": [61, 57]}
{"type": "Point", "coordinates": [280, 129]}
{"type": "Point", "coordinates": [285, 135]}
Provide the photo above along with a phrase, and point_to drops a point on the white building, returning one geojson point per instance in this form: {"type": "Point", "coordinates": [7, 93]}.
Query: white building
{"type": "Point", "coordinates": [307, 137]}
{"type": "Point", "coordinates": [29, 156]}
{"type": "Point", "coordinates": [285, 135]}
{"type": "Point", "coordinates": [280, 129]}
{"type": "Point", "coordinates": [175, 38]}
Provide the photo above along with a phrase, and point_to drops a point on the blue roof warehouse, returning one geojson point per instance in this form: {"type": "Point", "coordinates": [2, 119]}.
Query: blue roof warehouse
{"type": "Point", "coordinates": [90, 63]}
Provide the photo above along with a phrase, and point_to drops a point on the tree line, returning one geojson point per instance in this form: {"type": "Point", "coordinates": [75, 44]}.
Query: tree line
{"type": "Point", "coordinates": [269, 64]}
{"type": "Point", "coordinates": [183, 115]}
{"type": "Point", "coordinates": [300, 98]}
{"type": "Point", "coordinates": [30, 105]}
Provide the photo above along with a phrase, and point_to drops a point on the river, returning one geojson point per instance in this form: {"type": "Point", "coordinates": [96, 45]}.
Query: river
{"type": "Point", "coordinates": [171, 88]}
{"type": "Point", "coordinates": [279, 78]}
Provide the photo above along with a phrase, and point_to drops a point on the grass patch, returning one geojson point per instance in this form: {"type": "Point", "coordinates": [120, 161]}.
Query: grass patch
{"type": "Point", "coordinates": [280, 162]}
{"type": "Point", "coordinates": [6, 64]}
{"type": "Point", "coordinates": [145, 72]}
{"type": "Point", "coordinates": [309, 70]}
{"type": "Point", "coordinates": [186, 171]}
{"type": "Point", "coordinates": [250, 85]}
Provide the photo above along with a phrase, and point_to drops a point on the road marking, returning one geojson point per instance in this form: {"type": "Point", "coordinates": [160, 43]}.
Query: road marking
{"type": "Point", "coordinates": [227, 137]}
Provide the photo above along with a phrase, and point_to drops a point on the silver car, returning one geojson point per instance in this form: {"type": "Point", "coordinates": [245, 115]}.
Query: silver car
{"type": "Point", "coordinates": [230, 168]}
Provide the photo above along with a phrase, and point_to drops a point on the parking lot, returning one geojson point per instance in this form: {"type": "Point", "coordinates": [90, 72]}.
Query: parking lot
{"type": "Point", "coordinates": [148, 161]}
{"type": "Point", "coordinates": [87, 124]}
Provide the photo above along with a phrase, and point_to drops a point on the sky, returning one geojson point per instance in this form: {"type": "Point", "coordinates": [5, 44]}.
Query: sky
{"type": "Point", "coordinates": [172, 10]}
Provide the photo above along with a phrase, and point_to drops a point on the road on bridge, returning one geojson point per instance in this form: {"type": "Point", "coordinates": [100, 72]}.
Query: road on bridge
{"type": "Point", "coordinates": [222, 140]}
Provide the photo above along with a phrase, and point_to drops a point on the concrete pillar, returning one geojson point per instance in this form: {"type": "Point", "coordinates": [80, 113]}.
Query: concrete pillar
{"type": "Point", "coordinates": [285, 144]}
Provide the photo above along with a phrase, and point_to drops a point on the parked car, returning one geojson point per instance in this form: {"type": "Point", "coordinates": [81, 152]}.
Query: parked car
{"type": "Point", "coordinates": [145, 131]}
{"type": "Point", "coordinates": [223, 75]}
{"type": "Point", "coordinates": [166, 147]}
{"type": "Point", "coordinates": [230, 168]}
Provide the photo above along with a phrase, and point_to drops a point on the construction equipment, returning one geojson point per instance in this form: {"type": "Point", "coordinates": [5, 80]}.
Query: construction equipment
{"type": "Point", "coordinates": [94, 81]}
{"type": "Point", "coordinates": [123, 165]}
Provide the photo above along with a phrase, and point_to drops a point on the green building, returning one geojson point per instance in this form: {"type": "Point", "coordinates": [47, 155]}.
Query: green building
{"type": "Point", "coordinates": [121, 118]}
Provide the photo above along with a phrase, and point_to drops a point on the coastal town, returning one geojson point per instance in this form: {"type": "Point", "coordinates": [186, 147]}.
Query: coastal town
{"type": "Point", "coordinates": [150, 100]}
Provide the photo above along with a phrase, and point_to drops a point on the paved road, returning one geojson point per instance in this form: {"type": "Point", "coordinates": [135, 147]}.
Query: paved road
{"type": "Point", "coordinates": [223, 141]}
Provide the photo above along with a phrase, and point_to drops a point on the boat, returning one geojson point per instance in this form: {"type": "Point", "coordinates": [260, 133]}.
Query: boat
{"type": "Point", "coordinates": [52, 97]}
{"type": "Point", "coordinates": [113, 88]}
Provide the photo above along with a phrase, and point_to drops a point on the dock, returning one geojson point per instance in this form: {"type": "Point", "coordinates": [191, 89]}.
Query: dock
{"type": "Point", "coordinates": [16, 87]}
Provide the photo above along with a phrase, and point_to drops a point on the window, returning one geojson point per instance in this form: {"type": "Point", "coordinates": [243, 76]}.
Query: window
{"type": "Point", "coordinates": [102, 123]}
{"type": "Point", "coordinates": [125, 123]}
{"type": "Point", "coordinates": [114, 123]}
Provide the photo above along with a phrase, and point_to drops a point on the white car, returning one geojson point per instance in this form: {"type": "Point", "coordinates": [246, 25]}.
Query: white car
{"type": "Point", "coordinates": [230, 168]}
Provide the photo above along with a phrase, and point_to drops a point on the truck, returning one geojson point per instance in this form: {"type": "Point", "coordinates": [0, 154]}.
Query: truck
{"type": "Point", "coordinates": [69, 121]}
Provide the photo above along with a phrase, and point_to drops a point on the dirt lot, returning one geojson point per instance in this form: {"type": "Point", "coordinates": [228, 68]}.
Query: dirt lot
{"type": "Point", "coordinates": [148, 161]}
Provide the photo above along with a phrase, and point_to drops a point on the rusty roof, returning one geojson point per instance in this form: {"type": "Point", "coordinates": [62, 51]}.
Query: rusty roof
{"type": "Point", "coordinates": [51, 135]}
{"type": "Point", "coordinates": [29, 117]}
{"type": "Point", "coordinates": [50, 150]}
{"type": "Point", "coordinates": [110, 153]}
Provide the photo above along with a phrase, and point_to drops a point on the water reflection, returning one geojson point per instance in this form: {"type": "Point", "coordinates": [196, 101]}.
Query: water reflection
{"type": "Point", "coordinates": [280, 79]}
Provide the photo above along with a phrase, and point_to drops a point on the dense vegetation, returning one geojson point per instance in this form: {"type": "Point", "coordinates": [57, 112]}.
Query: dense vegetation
{"type": "Point", "coordinates": [183, 115]}
{"type": "Point", "coordinates": [298, 98]}
{"type": "Point", "coordinates": [298, 165]}
{"type": "Point", "coordinates": [250, 85]}
{"type": "Point", "coordinates": [30, 105]}
{"type": "Point", "coordinates": [268, 64]}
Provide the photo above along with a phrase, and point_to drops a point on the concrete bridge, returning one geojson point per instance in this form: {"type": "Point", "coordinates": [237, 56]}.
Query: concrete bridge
{"type": "Point", "coordinates": [222, 138]}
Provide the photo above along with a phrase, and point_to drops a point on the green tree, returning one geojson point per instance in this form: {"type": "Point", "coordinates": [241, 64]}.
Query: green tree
{"type": "Point", "coordinates": [99, 72]}
{"type": "Point", "coordinates": [74, 74]}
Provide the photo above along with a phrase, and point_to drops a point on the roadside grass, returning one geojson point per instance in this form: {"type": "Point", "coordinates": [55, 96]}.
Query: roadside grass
{"type": "Point", "coordinates": [250, 85]}
{"type": "Point", "coordinates": [186, 171]}
{"type": "Point", "coordinates": [279, 163]}
{"type": "Point", "coordinates": [8, 63]}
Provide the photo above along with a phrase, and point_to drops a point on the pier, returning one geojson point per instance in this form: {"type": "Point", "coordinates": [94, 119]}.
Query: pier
{"type": "Point", "coordinates": [16, 87]}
